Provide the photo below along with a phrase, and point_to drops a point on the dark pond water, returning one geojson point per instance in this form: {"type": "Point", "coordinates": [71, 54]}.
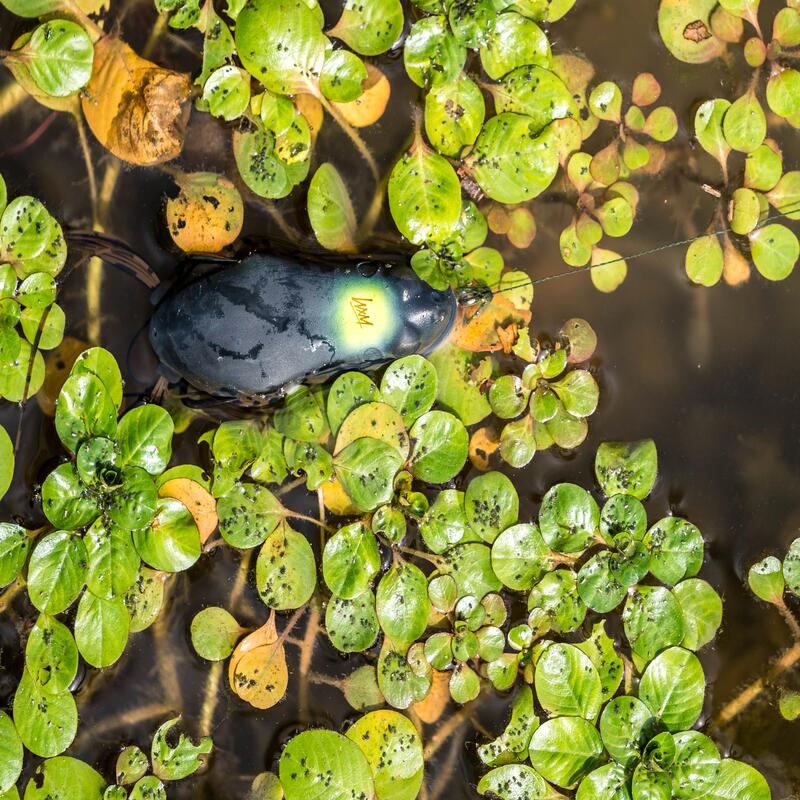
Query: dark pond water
{"type": "Point", "coordinates": [712, 375]}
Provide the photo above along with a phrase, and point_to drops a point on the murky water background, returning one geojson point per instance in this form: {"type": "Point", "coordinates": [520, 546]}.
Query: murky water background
{"type": "Point", "coordinates": [712, 375]}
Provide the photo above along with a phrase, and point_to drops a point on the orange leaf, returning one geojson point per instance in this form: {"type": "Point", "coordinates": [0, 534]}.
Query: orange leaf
{"type": "Point", "coordinates": [200, 503]}
{"type": "Point", "coordinates": [482, 444]}
{"type": "Point", "coordinates": [479, 331]}
{"type": "Point", "coordinates": [369, 107]}
{"type": "Point", "coordinates": [432, 707]}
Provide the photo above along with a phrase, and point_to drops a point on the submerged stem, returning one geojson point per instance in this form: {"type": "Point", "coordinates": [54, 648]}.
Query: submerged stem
{"type": "Point", "coordinates": [790, 619]}
{"type": "Point", "coordinates": [306, 657]}
{"type": "Point", "coordinates": [351, 133]}
{"type": "Point", "coordinates": [10, 593]}
{"type": "Point", "coordinates": [210, 698]}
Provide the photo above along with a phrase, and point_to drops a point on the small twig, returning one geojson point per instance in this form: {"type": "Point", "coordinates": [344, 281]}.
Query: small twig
{"type": "Point", "coordinates": [10, 593]}
{"type": "Point", "coordinates": [306, 518]}
{"type": "Point", "coordinates": [742, 700]}
{"type": "Point", "coordinates": [155, 34]}
{"type": "Point", "coordinates": [241, 578]}
{"type": "Point", "coordinates": [351, 133]}
{"type": "Point", "coordinates": [210, 698]}
{"type": "Point", "coordinates": [167, 673]}
{"type": "Point", "coordinates": [116, 720]}
{"type": "Point", "coordinates": [446, 771]}
{"type": "Point", "coordinates": [306, 657]}
{"type": "Point", "coordinates": [789, 618]}
{"type": "Point", "coordinates": [87, 160]}
{"type": "Point", "coordinates": [448, 729]}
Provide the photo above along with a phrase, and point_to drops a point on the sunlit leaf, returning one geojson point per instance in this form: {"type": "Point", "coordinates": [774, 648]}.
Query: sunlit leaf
{"type": "Point", "coordinates": [567, 684]}
{"type": "Point", "coordinates": [286, 572]}
{"type": "Point", "coordinates": [701, 607]}
{"type": "Point", "coordinates": [766, 580]}
{"type": "Point", "coordinates": [514, 41]}
{"type": "Point", "coordinates": [46, 723]}
{"type": "Point", "coordinates": [704, 261]}
{"type": "Point", "coordinates": [171, 543]}
{"type": "Point", "coordinates": [673, 687]}
{"type": "Point", "coordinates": [366, 469]}
{"type": "Point", "coordinates": [101, 629]}
{"type": "Point", "coordinates": [65, 778]}
{"type": "Point", "coordinates": [214, 633]}
{"type": "Point", "coordinates": [775, 250]}
{"type": "Point", "coordinates": [454, 114]}
{"type": "Point", "coordinates": [248, 514]}
{"type": "Point", "coordinates": [684, 26]}
{"type": "Point", "coordinates": [402, 603]}
{"type": "Point", "coordinates": [368, 108]}
{"type": "Point", "coordinates": [175, 756]}
{"type": "Point", "coordinates": [491, 504]}
{"type": "Point", "coordinates": [564, 750]}
{"type": "Point", "coordinates": [330, 211]}
{"type": "Point", "coordinates": [745, 124]}
{"type": "Point", "coordinates": [431, 53]}
{"type": "Point", "coordinates": [352, 625]}
{"type": "Point", "coordinates": [370, 27]}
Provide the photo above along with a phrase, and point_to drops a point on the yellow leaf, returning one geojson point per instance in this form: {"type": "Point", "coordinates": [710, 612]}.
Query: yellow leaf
{"type": "Point", "coordinates": [257, 672]}
{"type": "Point", "coordinates": [432, 707]}
{"type": "Point", "coordinates": [135, 108]}
{"type": "Point", "coordinates": [485, 328]}
{"type": "Point", "coordinates": [336, 499]}
{"type": "Point", "coordinates": [207, 214]}
{"type": "Point", "coordinates": [369, 107]}
{"type": "Point", "coordinates": [201, 504]}
{"type": "Point", "coordinates": [482, 444]}
{"type": "Point", "coordinates": [311, 109]}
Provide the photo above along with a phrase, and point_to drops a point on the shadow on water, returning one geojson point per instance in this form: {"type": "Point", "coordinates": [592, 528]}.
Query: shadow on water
{"type": "Point", "coordinates": [711, 375]}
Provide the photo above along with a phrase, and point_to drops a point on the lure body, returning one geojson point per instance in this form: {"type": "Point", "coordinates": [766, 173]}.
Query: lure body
{"type": "Point", "coordinates": [267, 323]}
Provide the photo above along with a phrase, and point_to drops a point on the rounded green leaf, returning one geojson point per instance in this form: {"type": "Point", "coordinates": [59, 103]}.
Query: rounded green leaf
{"type": "Point", "coordinates": [491, 504]}
{"type": "Point", "coordinates": [11, 753]}
{"type": "Point", "coordinates": [445, 522]}
{"type": "Point", "coordinates": [685, 28]}
{"type": "Point", "coordinates": [578, 392]}
{"type": "Point", "coordinates": [133, 503]}
{"type": "Point", "coordinates": [599, 584]}
{"type": "Point", "coordinates": [366, 469]}
{"type": "Point", "coordinates": [214, 633]}
{"type": "Point", "coordinates": [705, 260]}
{"type": "Point", "coordinates": [454, 114]}
{"type": "Point", "coordinates": [409, 385]}
{"type": "Point", "coordinates": [171, 543]}
{"type": "Point", "coordinates": [100, 363]}
{"type": "Point", "coordinates": [763, 167]}
{"type": "Point", "coordinates": [508, 396]}
{"type": "Point", "coordinates": [101, 629]}
{"type": "Point", "coordinates": [695, 768]}
{"type": "Point", "coordinates": [775, 251]}
{"type": "Point", "coordinates": [352, 625]}
{"type": "Point", "coordinates": [113, 563]}
{"type": "Point", "coordinates": [248, 513]}
{"type": "Point", "coordinates": [514, 41]}
{"type": "Point", "coordinates": [281, 44]}
{"type": "Point", "coordinates": [424, 195]}
{"type": "Point", "coordinates": [84, 409]}
{"type": "Point", "coordinates": [673, 688]}
{"type": "Point", "coordinates": [567, 683]}
{"type": "Point", "coordinates": [520, 556]}
{"type": "Point", "coordinates": [623, 514]}
{"type": "Point", "coordinates": [259, 166]}
{"type": "Point", "coordinates": [226, 93]}
{"type": "Point", "coordinates": [56, 572]}
{"type": "Point", "coordinates": [701, 607]}
{"type": "Point", "coordinates": [15, 544]}
{"type": "Point", "coordinates": [65, 778]}
{"type": "Point", "coordinates": [286, 572]}
{"type": "Point", "coordinates": [324, 764]}
{"type": "Point", "coordinates": [627, 467]}
{"type": "Point", "coordinates": [653, 620]}
{"type": "Point", "coordinates": [766, 579]}
{"type": "Point", "coordinates": [557, 594]}
{"type": "Point", "coordinates": [145, 439]}
{"type": "Point", "coordinates": [606, 783]}
{"type": "Point", "coordinates": [342, 77]}
{"type": "Point", "coordinates": [514, 782]}
{"type": "Point", "coordinates": [370, 27]}
{"type": "Point", "coordinates": [46, 723]}
{"type": "Point", "coordinates": [148, 788]}
{"type": "Point", "coordinates": [393, 749]}
{"type": "Point", "coordinates": [566, 749]}
{"type": "Point", "coordinates": [144, 599]}
{"type": "Point", "coordinates": [744, 124]}
{"type": "Point", "coordinates": [441, 445]}
{"type": "Point", "coordinates": [600, 649]}
{"type": "Point", "coordinates": [744, 211]}
{"type": "Point", "coordinates": [605, 101]}
{"type": "Point", "coordinates": [785, 195]}
{"type": "Point", "coordinates": [350, 560]}
{"type": "Point", "coordinates": [332, 217]}
{"type": "Point", "coordinates": [431, 53]}
{"type": "Point", "coordinates": [400, 684]}
{"type": "Point", "coordinates": [626, 725]}
{"type": "Point", "coordinates": [402, 603]}
{"type": "Point", "coordinates": [783, 93]}
{"type": "Point", "coordinates": [51, 655]}
{"type": "Point", "coordinates": [568, 518]}
{"type": "Point", "coordinates": [739, 781]}
{"type": "Point", "coordinates": [58, 56]}
{"type": "Point", "coordinates": [708, 128]}
{"type": "Point", "coordinates": [676, 549]}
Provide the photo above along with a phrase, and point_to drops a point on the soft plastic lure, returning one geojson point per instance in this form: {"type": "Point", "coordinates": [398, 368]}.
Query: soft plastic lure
{"type": "Point", "coordinates": [266, 323]}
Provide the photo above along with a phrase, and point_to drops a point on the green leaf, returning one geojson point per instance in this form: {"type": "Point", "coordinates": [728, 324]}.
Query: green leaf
{"type": "Point", "coordinates": [46, 723]}
{"type": "Point", "coordinates": [148, 788]}
{"type": "Point", "coordinates": [508, 396]}
{"type": "Point", "coordinates": [513, 743]}
{"type": "Point", "coordinates": [431, 53]}
{"type": "Point", "coordinates": [144, 600]}
{"type": "Point", "coordinates": [424, 195]}
{"type": "Point", "coordinates": [685, 29]}
{"type": "Point", "coordinates": [708, 129]}
{"type": "Point", "coordinates": [520, 556]}
{"type": "Point", "coordinates": [58, 55]}
{"type": "Point", "coordinates": [785, 195]}
{"type": "Point", "coordinates": [738, 781]}
{"type": "Point", "coordinates": [763, 167]}
{"type": "Point", "coordinates": [458, 390]}
{"type": "Point", "coordinates": [178, 761]}
{"type": "Point", "coordinates": [366, 469]}
{"type": "Point", "coordinates": [84, 409]}
{"type": "Point", "coordinates": [491, 504]}
{"type": "Point", "coordinates": [623, 514]}
{"type": "Point", "coordinates": [409, 385]}
{"type": "Point", "coordinates": [100, 363]}
{"type": "Point", "coordinates": [322, 763]}
{"type": "Point", "coordinates": [393, 749]}
{"type": "Point", "coordinates": [705, 261]}
{"type": "Point", "coordinates": [605, 101]}
{"type": "Point", "coordinates": [56, 572]}
{"type": "Point", "coordinates": [259, 166]}
{"type": "Point", "coordinates": [676, 549]}
{"type": "Point", "coordinates": [342, 77]}
{"type": "Point", "coordinates": [579, 393]}
{"type": "Point", "coordinates": [133, 504]}
{"type": "Point", "coordinates": [702, 612]}
{"type": "Point", "coordinates": [791, 567]}
{"type": "Point", "coordinates": [402, 603]}
{"type": "Point", "coordinates": [454, 114]}
{"type": "Point", "coordinates": [214, 633]}
{"type": "Point", "coordinates": [605, 783]}
{"type": "Point", "coordinates": [744, 124]}
{"type": "Point", "coordinates": [567, 683]}
{"type": "Point", "coordinates": [441, 445]}
{"type": "Point", "coordinates": [333, 219]}
{"type": "Point", "coordinates": [783, 89]}
{"type": "Point", "coordinates": [11, 753]}
{"type": "Point", "coordinates": [465, 685]}
{"type": "Point", "coordinates": [626, 725]}
{"type": "Point", "coordinates": [350, 561]}
{"type": "Point", "coordinates": [281, 44]}
{"type": "Point", "coordinates": [568, 518]}
{"type": "Point", "coordinates": [627, 467]}
{"type": "Point", "coordinates": [511, 160]}
{"type": "Point", "coordinates": [226, 92]}
{"type": "Point", "coordinates": [600, 649]}
{"type": "Point", "coordinates": [171, 543]}
{"type": "Point", "coordinates": [400, 684]}
{"type": "Point", "coordinates": [514, 782]}
{"type": "Point", "coordinates": [673, 688]}
{"type": "Point", "coordinates": [14, 383]}
{"type": "Point", "coordinates": [514, 41]}
{"type": "Point", "coordinates": [113, 563]}
{"type": "Point", "coordinates": [766, 580]}
{"type": "Point", "coordinates": [445, 522]}
{"type": "Point", "coordinates": [470, 566]}
{"type": "Point", "coordinates": [286, 572]}
{"type": "Point", "coordinates": [599, 584]}
{"type": "Point", "coordinates": [65, 778]}
{"type": "Point", "coordinates": [15, 544]}
{"type": "Point", "coordinates": [775, 251]}
{"type": "Point", "coordinates": [370, 27]}
{"type": "Point", "coordinates": [557, 594]}
{"type": "Point", "coordinates": [695, 769]}
{"type": "Point", "coordinates": [101, 629]}
{"type": "Point", "coordinates": [248, 513]}
{"type": "Point", "coordinates": [51, 655]}
{"type": "Point", "coordinates": [653, 621]}
{"type": "Point", "coordinates": [30, 239]}
{"type": "Point", "coordinates": [566, 749]}
{"type": "Point", "coordinates": [744, 212]}
{"type": "Point", "coordinates": [352, 625]}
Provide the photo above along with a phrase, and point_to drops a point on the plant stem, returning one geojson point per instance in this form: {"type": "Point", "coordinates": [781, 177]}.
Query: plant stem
{"type": "Point", "coordinates": [750, 693]}
{"type": "Point", "coordinates": [11, 98]}
{"type": "Point", "coordinates": [117, 720]}
{"type": "Point", "coordinates": [306, 518]}
{"type": "Point", "coordinates": [352, 134]}
{"type": "Point", "coordinates": [167, 672]}
{"type": "Point", "coordinates": [10, 593]}
{"type": "Point", "coordinates": [210, 698]}
{"type": "Point", "coordinates": [437, 561]}
{"type": "Point", "coordinates": [306, 657]}
{"type": "Point", "coordinates": [789, 618]}
{"type": "Point", "coordinates": [155, 34]}
{"type": "Point", "coordinates": [241, 578]}
{"type": "Point", "coordinates": [87, 160]}
{"type": "Point", "coordinates": [448, 729]}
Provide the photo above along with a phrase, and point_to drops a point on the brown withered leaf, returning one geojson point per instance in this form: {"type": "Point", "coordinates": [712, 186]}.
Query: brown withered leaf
{"type": "Point", "coordinates": [207, 215]}
{"type": "Point", "coordinates": [257, 672]}
{"type": "Point", "coordinates": [696, 31]}
{"type": "Point", "coordinates": [135, 108]}
{"type": "Point", "coordinates": [736, 268]}
{"type": "Point", "coordinates": [491, 327]}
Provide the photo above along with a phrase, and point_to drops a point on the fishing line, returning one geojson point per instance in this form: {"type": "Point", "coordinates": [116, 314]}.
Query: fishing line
{"type": "Point", "coordinates": [783, 211]}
